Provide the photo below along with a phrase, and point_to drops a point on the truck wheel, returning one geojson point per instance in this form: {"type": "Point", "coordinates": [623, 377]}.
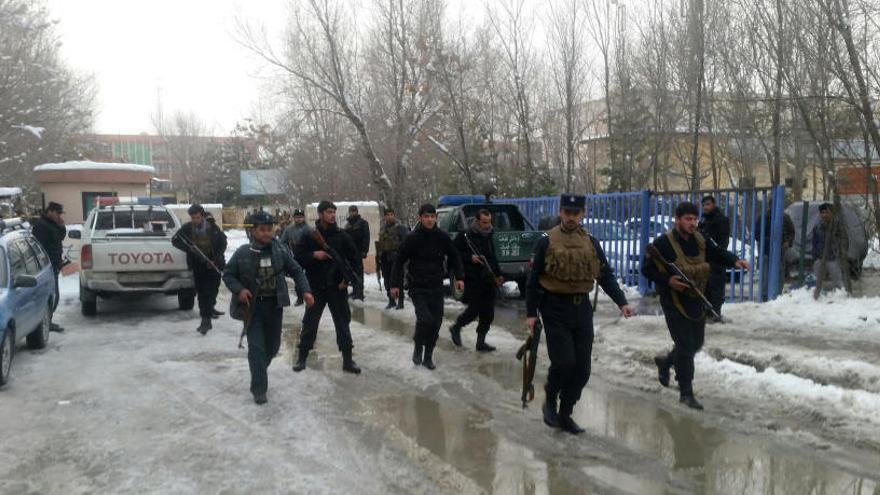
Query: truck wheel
{"type": "Point", "coordinates": [186, 300]}
{"type": "Point", "coordinates": [40, 337]}
{"type": "Point", "coordinates": [89, 308]}
{"type": "Point", "coordinates": [7, 349]}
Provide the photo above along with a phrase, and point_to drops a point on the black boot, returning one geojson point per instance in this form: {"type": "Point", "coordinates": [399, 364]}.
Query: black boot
{"type": "Point", "coordinates": [662, 370]}
{"type": "Point", "coordinates": [418, 349]}
{"type": "Point", "coordinates": [551, 417]}
{"type": "Point", "coordinates": [205, 326]}
{"type": "Point", "coordinates": [301, 361]}
{"type": "Point", "coordinates": [348, 364]}
{"type": "Point", "coordinates": [54, 327]}
{"type": "Point", "coordinates": [260, 399]}
{"type": "Point", "coordinates": [428, 361]}
{"type": "Point", "coordinates": [391, 303]}
{"type": "Point", "coordinates": [482, 346]}
{"type": "Point", "coordinates": [455, 331]}
{"type": "Point", "coordinates": [565, 422]}
{"type": "Point", "coordinates": [691, 401]}
{"type": "Point", "coordinates": [400, 301]}
{"type": "Point", "coordinates": [216, 314]}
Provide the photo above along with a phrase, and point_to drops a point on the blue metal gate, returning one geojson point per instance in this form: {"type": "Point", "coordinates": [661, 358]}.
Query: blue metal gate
{"type": "Point", "coordinates": [624, 223]}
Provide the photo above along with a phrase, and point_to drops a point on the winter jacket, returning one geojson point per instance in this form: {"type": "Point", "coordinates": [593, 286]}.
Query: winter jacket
{"type": "Point", "coordinates": [325, 274]}
{"type": "Point", "coordinates": [484, 246]}
{"type": "Point", "coordinates": [218, 246]}
{"type": "Point", "coordinates": [426, 251]}
{"type": "Point", "coordinates": [714, 255]}
{"type": "Point", "coordinates": [359, 231]}
{"type": "Point", "coordinates": [820, 234]}
{"type": "Point", "coordinates": [294, 234]}
{"type": "Point", "coordinates": [716, 226]}
{"type": "Point", "coordinates": [241, 272]}
{"type": "Point", "coordinates": [390, 239]}
{"type": "Point", "coordinates": [51, 237]}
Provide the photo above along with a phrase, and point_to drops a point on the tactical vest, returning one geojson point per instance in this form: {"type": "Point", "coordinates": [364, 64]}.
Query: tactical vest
{"type": "Point", "coordinates": [695, 267]}
{"type": "Point", "coordinates": [202, 240]}
{"type": "Point", "coordinates": [570, 264]}
{"type": "Point", "coordinates": [389, 239]}
{"type": "Point", "coordinates": [266, 276]}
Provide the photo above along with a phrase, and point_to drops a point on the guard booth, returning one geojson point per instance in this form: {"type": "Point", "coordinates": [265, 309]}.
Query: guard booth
{"type": "Point", "coordinates": [624, 223]}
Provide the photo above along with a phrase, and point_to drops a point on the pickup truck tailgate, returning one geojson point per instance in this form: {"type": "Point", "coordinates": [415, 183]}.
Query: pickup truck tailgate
{"type": "Point", "coordinates": [136, 255]}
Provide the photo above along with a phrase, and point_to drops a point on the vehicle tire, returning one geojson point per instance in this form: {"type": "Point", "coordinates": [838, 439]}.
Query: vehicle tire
{"type": "Point", "coordinates": [7, 351]}
{"type": "Point", "coordinates": [40, 337]}
{"type": "Point", "coordinates": [456, 294]}
{"type": "Point", "coordinates": [89, 308]}
{"type": "Point", "coordinates": [186, 300]}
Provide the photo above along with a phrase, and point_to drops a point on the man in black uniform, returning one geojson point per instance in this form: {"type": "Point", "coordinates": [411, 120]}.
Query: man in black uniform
{"type": "Point", "coordinates": [715, 227]}
{"type": "Point", "coordinates": [255, 276]}
{"type": "Point", "coordinates": [359, 230]}
{"type": "Point", "coordinates": [203, 234]}
{"type": "Point", "coordinates": [684, 312]}
{"type": "Point", "coordinates": [391, 236]}
{"type": "Point", "coordinates": [481, 277]}
{"type": "Point", "coordinates": [329, 285]}
{"type": "Point", "coordinates": [426, 249]}
{"type": "Point", "coordinates": [50, 232]}
{"type": "Point", "coordinates": [567, 262]}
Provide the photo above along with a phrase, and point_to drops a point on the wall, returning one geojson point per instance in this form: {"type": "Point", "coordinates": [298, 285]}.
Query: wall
{"type": "Point", "coordinates": [70, 195]}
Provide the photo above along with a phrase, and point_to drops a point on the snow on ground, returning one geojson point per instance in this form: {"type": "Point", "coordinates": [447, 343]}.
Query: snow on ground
{"type": "Point", "coordinates": [872, 261]}
{"type": "Point", "coordinates": [134, 400]}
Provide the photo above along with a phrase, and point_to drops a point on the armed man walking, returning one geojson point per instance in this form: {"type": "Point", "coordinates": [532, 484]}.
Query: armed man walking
{"type": "Point", "coordinates": [50, 232]}
{"type": "Point", "coordinates": [567, 263]}
{"type": "Point", "coordinates": [359, 230]}
{"type": "Point", "coordinates": [429, 252]}
{"type": "Point", "coordinates": [256, 277]}
{"type": "Point", "coordinates": [683, 308]}
{"type": "Point", "coordinates": [328, 255]}
{"type": "Point", "coordinates": [391, 236]}
{"type": "Point", "coordinates": [294, 235]}
{"type": "Point", "coordinates": [715, 227]}
{"type": "Point", "coordinates": [205, 246]}
{"type": "Point", "coordinates": [481, 279]}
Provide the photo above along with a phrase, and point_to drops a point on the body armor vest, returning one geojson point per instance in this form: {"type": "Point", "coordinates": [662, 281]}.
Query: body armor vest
{"type": "Point", "coordinates": [695, 267]}
{"type": "Point", "coordinates": [570, 264]}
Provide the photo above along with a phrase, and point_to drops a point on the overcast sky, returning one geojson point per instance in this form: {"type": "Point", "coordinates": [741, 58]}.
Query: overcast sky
{"type": "Point", "coordinates": [183, 48]}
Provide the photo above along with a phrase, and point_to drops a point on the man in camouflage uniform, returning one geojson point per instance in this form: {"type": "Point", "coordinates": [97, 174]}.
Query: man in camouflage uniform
{"type": "Point", "coordinates": [390, 238]}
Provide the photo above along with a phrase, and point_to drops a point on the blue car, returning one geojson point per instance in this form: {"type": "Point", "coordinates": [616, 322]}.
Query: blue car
{"type": "Point", "coordinates": [27, 293]}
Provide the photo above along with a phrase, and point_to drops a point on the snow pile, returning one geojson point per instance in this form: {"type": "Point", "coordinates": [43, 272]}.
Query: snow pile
{"type": "Point", "coordinates": [796, 311]}
{"type": "Point", "coordinates": [873, 260]}
{"type": "Point", "coordinates": [234, 239]}
{"type": "Point", "coordinates": [87, 165]}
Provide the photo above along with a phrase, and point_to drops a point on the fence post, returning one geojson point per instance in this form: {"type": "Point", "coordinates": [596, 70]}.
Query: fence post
{"type": "Point", "coordinates": [645, 199]}
{"type": "Point", "coordinates": [776, 242]}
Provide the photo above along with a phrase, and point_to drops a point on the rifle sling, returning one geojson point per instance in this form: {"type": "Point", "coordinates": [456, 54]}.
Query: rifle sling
{"type": "Point", "coordinates": [676, 299]}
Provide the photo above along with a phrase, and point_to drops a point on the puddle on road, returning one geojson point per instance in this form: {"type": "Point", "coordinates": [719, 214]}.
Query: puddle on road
{"type": "Point", "coordinates": [461, 436]}
{"type": "Point", "coordinates": [716, 460]}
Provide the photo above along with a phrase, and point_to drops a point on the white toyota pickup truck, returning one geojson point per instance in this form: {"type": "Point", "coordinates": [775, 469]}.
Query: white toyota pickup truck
{"type": "Point", "coordinates": [126, 249]}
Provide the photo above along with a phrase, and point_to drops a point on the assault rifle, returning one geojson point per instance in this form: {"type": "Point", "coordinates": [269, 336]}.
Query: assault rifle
{"type": "Point", "coordinates": [675, 270]}
{"type": "Point", "coordinates": [348, 274]}
{"type": "Point", "coordinates": [483, 261]}
{"type": "Point", "coordinates": [188, 243]}
{"type": "Point", "coordinates": [528, 354]}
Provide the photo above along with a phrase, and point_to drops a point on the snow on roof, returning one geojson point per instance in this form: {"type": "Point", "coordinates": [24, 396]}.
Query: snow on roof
{"type": "Point", "coordinates": [87, 165]}
{"type": "Point", "coordinates": [182, 206]}
{"type": "Point", "coordinates": [10, 191]}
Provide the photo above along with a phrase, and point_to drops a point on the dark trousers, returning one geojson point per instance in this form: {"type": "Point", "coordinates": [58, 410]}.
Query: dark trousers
{"type": "Point", "coordinates": [429, 315]}
{"type": "Point", "coordinates": [715, 288]}
{"type": "Point", "coordinates": [207, 283]}
{"type": "Point", "coordinates": [357, 288]}
{"type": "Point", "coordinates": [337, 300]}
{"type": "Point", "coordinates": [264, 340]}
{"type": "Point", "coordinates": [57, 291]}
{"type": "Point", "coordinates": [480, 300]}
{"type": "Point", "coordinates": [688, 336]}
{"type": "Point", "coordinates": [568, 324]}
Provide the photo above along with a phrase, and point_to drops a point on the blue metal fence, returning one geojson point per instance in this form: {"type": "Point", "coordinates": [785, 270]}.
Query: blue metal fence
{"type": "Point", "coordinates": [624, 223]}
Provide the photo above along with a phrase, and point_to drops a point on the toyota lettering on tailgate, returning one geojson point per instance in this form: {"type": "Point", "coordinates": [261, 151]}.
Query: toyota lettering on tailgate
{"type": "Point", "coordinates": [141, 258]}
